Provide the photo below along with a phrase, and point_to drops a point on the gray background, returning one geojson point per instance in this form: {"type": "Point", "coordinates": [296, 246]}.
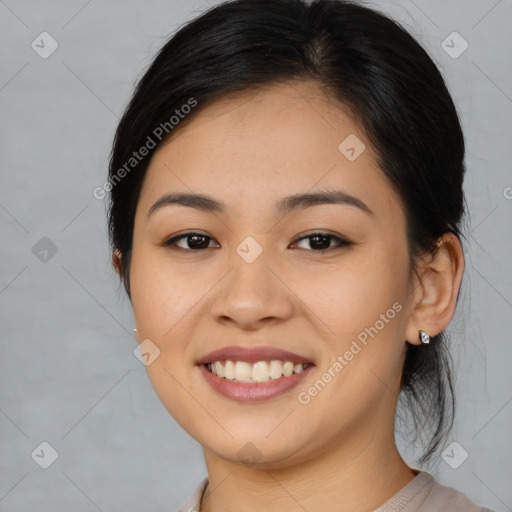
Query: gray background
{"type": "Point", "coordinates": [67, 370]}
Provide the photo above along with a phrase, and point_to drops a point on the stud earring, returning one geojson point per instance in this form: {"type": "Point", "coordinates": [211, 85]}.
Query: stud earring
{"type": "Point", "coordinates": [424, 337]}
{"type": "Point", "coordinates": [134, 330]}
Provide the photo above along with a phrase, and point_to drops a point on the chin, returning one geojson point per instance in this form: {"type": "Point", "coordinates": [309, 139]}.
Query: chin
{"type": "Point", "coordinates": [258, 451]}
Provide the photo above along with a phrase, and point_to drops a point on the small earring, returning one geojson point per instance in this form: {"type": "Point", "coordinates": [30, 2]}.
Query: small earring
{"type": "Point", "coordinates": [134, 330]}
{"type": "Point", "coordinates": [424, 337]}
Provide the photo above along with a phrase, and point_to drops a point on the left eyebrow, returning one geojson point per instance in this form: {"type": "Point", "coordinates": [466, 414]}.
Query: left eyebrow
{"type": "Point", "coordinates": [283, 207]}
{"type": "Point", "coordinates": [307, 200]}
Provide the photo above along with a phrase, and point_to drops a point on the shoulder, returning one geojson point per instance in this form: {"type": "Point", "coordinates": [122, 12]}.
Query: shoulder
{"type": "Point", "coordinates": [193, 503]}
{"type": "Point", "coordinates": [443, 498]}
{"type": "Point", "coordinates": [425, 494]}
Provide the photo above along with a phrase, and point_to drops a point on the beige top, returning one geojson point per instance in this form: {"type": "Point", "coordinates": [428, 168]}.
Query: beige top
{"type": "Point", "coordinates": [422, 494]}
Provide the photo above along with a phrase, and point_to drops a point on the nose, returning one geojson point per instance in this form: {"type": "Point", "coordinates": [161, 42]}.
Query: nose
{"type": "Point", "coordinates": [252, 295]}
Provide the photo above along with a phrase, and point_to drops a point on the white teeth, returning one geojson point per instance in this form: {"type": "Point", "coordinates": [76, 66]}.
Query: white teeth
{"type": "Point", "coordinates": [276, 369]}
{"type": "Point", "coordinates": [220, 369]}
{"type": "Point", "coordinates": [243, 371]}
{"type": "Point", "coordinates": [261, 371]}
{"type": "Point", "coordinates": [229, 370]}
{"type": "Point", "coordinates": [287, 368]}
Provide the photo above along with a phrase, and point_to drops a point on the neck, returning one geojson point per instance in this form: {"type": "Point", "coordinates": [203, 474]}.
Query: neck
{"type": "Point", "coordinates": [360, 475]}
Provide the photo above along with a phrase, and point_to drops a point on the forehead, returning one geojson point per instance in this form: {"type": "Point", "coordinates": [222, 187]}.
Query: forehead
{"type": "Point", "coordinates": [259, 145]}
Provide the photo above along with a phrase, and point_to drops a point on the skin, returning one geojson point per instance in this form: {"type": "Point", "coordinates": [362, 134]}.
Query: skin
{"type": "Point", "coordinates": [249, 151]}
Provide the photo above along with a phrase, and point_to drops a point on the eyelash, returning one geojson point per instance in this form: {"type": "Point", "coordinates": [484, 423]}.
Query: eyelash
{"type": "Point", "coordinates": [171, 243]}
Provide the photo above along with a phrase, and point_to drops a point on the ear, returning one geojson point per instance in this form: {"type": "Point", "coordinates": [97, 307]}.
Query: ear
{"type": "Point", "coordinates": [436, 289]}
{"type": "Point", "coordinates": [117, 262]}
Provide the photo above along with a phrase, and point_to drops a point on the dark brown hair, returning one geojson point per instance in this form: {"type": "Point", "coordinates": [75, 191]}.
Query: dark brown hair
{"type": "Point", "coordinates": [365, 60]}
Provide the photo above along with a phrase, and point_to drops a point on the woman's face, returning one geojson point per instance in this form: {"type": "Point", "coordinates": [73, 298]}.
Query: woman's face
{"type": "Point", "coordinates": [248, 278]}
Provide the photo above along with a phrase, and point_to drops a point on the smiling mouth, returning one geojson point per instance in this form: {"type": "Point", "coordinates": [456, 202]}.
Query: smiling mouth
{"type": "Point", "coordinates": [257, 372]}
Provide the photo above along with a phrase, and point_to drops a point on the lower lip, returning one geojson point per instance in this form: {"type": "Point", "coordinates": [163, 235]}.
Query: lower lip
{"type": "Point", "coordinates": [253, 392]}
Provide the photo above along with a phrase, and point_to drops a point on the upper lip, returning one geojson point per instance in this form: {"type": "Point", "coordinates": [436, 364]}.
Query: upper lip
{"type": "Point", "coordinates": [252, 355]}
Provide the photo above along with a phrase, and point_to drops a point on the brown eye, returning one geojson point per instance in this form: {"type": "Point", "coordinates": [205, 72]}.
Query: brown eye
{"type": "Point", "coordinates": [322, 241]}
{"type": "Point", "coordinates": [192, 241]}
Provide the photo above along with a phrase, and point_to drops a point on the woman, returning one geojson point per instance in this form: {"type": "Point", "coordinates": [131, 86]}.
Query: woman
{"type": "Point", "coordinates": [286, 202]}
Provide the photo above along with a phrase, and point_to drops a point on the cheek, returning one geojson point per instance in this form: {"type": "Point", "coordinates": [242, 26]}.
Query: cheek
{"type": "Point", "coordinates": [351, 295]}
{"type": "Point", "coordinates": [160, 310]}
{"type": "Point", "coordinates": [360, 309]}
{"type": "Point", "coordinates": [163, 301]}
{"type": "Point", "coordinates": [162, 294]}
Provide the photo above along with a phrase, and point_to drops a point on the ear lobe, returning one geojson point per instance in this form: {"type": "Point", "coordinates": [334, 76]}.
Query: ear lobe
{"type": "Point", "coordinates": [117, 262]}
{"type": "Point", "coordinates": [439, 279]}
